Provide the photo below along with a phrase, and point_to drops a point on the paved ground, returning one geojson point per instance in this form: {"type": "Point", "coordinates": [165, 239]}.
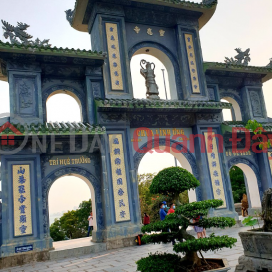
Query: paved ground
{"type": "Point", "coordinates": [124, 259]}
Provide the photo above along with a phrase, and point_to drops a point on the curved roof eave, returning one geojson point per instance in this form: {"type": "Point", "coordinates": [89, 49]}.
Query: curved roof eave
{"type": "Point", "coordinates": [207, 11]}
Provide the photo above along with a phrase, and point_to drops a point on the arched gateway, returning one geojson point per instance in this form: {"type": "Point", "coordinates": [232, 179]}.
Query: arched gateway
{"type": "Point", "coordinates": [116, 129]}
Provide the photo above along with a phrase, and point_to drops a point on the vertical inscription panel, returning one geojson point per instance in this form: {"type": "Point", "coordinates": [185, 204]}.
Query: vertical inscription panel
{"type": "Point", "coordinates": [114, 57]}
{"type": "Point", "coordinates": [215, 169]}
{"type": "Point", "coordinates": [192, 62]}
{"type": "Point", "coordinates": [21, 200]}
{"type": "Point", "coordinates": [119, 180]}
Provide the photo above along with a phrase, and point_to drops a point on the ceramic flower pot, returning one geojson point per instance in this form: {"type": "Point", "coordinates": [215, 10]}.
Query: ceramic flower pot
{"type": "Point", "coordinates": [222, 262]}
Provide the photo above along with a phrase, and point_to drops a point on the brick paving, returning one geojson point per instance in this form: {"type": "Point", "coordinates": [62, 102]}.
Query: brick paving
{"type": "Point", "coordinates": [124, 259]}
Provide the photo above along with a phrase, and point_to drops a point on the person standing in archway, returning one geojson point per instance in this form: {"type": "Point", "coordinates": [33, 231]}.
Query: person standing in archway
{"type": "Point", "coordinates": [172, 208]}
{"type": "Point", "coordinates": [90, 228]}
{"type": "Point", "coordinates": [162, 211]}
{"type": "Point", "coordinates": [146, 219]}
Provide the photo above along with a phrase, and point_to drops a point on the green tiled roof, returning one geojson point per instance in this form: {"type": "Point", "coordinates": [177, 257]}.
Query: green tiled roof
{"type": "Point", "coordinates": [15, 48]}
{"type": "Point", "coordinates": [266, 71]}
{"type": "Point", "coordinates": [228, 125]}
{"type": "Point", "coordinates": [238, 68]}
{"type": "Point", "coordinates": [61, 128]}
{"type": "Point", "coordinates": [159, 104]}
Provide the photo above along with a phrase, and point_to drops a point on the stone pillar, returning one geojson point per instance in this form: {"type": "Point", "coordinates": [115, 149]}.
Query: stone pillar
{"type": "Point", "coordinates": [108, 35]}
{"type": "Point", "coordinates": [190, 57]}
{"type": "Point", "coordinates": [213, 172]}
{"type": "Point", "coordinates": [265, 166]}
{"type": "Point", "coordinates": [22, 218]}
{"type": "Point", "coordinates": [254, 105]}
{"type": "Point", "coordinates": [121, 205]}
{"type": "Point", "coordinates": [25, 93]}
{"type": "Point", "coordinates": [94, 89]}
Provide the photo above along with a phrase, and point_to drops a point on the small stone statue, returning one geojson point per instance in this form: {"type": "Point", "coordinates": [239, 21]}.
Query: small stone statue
{"type": "Point", "coordinates": [244, 206]}
{"type": "Point", "coordinates": [150, 83]}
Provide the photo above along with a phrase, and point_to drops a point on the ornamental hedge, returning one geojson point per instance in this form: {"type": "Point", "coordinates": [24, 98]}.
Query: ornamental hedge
{"type": "Point", "coordinates": [172, 181]}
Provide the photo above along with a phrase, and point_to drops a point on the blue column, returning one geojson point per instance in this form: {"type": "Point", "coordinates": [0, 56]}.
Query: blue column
{"type": "Point", "coordinates": [22, 218]}
{"type": "Point", "coordinates": [209, 183]}
{"type": "Point", "coordinates": [122, 210]}
{"type": "Point", "coordinates": [108, 34]}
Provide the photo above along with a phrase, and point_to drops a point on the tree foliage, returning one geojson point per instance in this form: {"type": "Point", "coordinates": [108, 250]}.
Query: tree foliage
{"type": "Point", "coordinates": [149, 202]}
{"type": "Point", "coordinates": [237, 183]}
{"type": "Point", "coordinates": [56, 233]}
{"type": "Point", "coordinates": [73, 224]}
{"type": "Point", "coordinates": [160, 263]}
{"type": "Point", "coordinates": [174, 225]}
{"type": "Point", "coordinates": [172, 181]}
{"type": "Point", "coordinates": [257, 129]}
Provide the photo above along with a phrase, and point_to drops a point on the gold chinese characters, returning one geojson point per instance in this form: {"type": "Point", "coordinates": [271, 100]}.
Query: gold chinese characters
{"type": "Point", "coordinates": [149, 31]}
{"type": "Point", "coordinates": [137, 29]}
{"type": "Point", "coordinates": [114, 57]}
{"type": "Point", "coordinates": [192, 62]}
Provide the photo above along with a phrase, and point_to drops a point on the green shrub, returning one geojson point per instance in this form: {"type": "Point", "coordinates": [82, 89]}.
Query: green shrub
{"type": "Point", "coordinates": [160, 262]}
{"type": "Point", "coordinates": [173, 181]}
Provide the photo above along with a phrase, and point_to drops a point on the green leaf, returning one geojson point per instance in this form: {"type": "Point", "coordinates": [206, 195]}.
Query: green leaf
{"type": "Point", "coordinates": [252, 223]}
{"type": "Point", "coordinates": [248, 219]}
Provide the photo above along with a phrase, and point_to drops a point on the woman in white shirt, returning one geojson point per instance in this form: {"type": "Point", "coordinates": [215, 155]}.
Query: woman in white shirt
{"type": "Point", "coordinates": [90, 228]}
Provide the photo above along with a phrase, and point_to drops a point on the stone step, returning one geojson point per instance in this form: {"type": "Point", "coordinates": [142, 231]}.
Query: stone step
{"type": "Point", "coordinates": [75, 248]}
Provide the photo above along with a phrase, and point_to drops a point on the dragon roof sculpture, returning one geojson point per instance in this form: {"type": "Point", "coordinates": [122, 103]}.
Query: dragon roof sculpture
{"type": "Point", "coordinates": [18, 35]}
{"type": "Point", "coordinates": [243, 58]}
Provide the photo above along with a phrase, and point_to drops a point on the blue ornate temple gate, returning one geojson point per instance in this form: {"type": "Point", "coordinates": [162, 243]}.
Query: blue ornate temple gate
{"type": "Point", "coordinates": [105, 149]}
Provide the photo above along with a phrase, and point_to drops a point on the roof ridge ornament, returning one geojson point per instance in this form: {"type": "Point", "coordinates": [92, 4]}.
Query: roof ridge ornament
{"type": "Point", "coordinates": [18, 35]}
{"type": "Point", "coordinates": [69, 15]}
{"type": "Point", "coordinates": [269, 65]}
{"type": "Point", "coordinates": [243, 58]}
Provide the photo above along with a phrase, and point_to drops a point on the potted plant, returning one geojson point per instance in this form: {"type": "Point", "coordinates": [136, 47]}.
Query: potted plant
{"type": "Point", "coordinates": [257, 243]}
{"type": "Point", "coordinates": [173, 181]}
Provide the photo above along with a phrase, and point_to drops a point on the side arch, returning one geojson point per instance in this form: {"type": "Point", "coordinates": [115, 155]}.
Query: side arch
{"type": "Point", "coordinates": [91, 181]}
{"type": "Point", "coordinates": [250, 169]}
{"type": "Point", "coordinates": [179, 147]}
{"type": "Point", "coordinates": [237, 105]}
{"type": "Point", "coordinates": [69, 90]}
{"type": "Point", "coordinates": [173, 66]}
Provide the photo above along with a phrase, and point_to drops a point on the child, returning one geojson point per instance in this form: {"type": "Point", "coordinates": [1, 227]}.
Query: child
{"type": "Point", "coordinates": [198, 230]}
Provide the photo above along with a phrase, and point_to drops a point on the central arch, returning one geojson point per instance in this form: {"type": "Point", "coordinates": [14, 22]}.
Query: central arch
{"type": "Point", "coordinates": [186, 159]}
{"type": "Point", "coordinates": [96, 196]}
{"type": "Point", "coordinates": [169, 61]}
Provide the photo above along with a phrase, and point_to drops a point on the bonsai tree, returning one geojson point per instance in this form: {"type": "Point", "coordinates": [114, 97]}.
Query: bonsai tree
{"type": "Point", "coordinates": [173, 181]}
